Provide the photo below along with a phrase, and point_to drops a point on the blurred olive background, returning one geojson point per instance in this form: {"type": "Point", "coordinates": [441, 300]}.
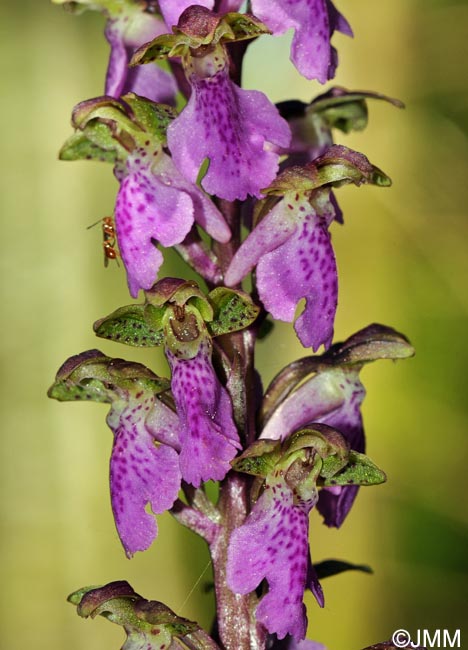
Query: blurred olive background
{"type": "Point", "coordinates": [403, 261]}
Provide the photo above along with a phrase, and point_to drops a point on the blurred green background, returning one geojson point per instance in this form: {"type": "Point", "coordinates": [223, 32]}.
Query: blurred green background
{"type": "Point", "coordinates": [403, 261]}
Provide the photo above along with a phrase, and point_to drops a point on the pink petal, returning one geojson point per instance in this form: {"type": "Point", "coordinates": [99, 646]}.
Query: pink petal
{"type": "Point", "coordinates": [140, 473]}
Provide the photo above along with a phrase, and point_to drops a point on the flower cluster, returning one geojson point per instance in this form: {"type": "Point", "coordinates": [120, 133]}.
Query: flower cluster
{"type": "Point", "coordinates": [200, 161]}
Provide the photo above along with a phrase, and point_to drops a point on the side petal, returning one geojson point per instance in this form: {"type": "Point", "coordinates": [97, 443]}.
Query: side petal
{"type": "Point", "coordinates": [172, 9]}
{"type": "Point", "coordinates": [209, 438]}
{"type": "Point", "coordinates": [147, 211]}
{"type": "Point", "coordinates": [152, 82]}
{"type": "Point", "coordinates": [314, 401]}
{"type": "Point", "coordinates": [124, 34]}
{"type": "Point", "coordinates": [206, 214]}
{"type": "Point", "coordinates": [272, 544]}
{"type": "Point", "coordinates": [303, 267]}
{"type": "Point", "coordinates": [230, 127]}
{"type": "Point", "coordinates": [118, 60]}
{"type": "Point", "coordinates": [273, 231]}
{"type": "Point", "coordinates": [140, 473]}
{"type": "Point", "coordinates": [276, 14]}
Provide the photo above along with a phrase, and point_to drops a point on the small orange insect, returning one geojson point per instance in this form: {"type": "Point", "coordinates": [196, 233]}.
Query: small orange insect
{"type": "Point", "coordinates": [109, 239]}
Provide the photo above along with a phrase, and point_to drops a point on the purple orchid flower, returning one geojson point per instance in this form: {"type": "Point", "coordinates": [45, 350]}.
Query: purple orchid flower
{"type": "Point", "coordinates": [156, 204]}
{"type": "Point", "coordinates": [233, 128]}
{"type": "Point", "coordinates": [291, 247]}
{"type": "Point", "coordinates": [208, 438]}
{"type": "Point", "coordinates": [333, 396]}
{"type": "Point", "coordinates": [144, 465]}
{"type": "Point", "coordinates": [273, 544]}
{"type": "Point", "coordinates": [314, 22]}
{"type": "Point", "coordinates": [294, 258]}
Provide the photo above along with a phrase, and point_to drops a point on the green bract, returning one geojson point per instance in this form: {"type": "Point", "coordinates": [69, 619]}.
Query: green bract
{"type": "Point", "coordinates": [108, 129]}
{"type": "Point", "coordinates": [178, 314]}
{"type": "Point", "coordinates": [199, 28]}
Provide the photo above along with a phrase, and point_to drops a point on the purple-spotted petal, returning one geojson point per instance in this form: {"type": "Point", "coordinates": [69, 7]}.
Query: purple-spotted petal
{"type": "Point", "coordinates": [172, 9]}
{"type": "Point", "coordinates": [209, 438]}
{"type": "Point", "coordinates": [125, 34]}
{"type": "Point", "coordinates": [232, 128]}
{"type": "Point", "coordinates": [303, 267]}
{"type": "Point", "coordinates": [147, 210]}
{"type": "Point", "coordinates": [295, 259]}
{"type": "Point", "coordinates": [272, 545]}
{"type": "Point", "coordinates": [141, 473]}
{"type": "Point", "coordinates": [314, 22]}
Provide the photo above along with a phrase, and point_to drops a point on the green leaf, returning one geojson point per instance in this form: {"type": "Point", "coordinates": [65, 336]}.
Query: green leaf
{"type": "Point", "coordinates": [360, 470]}
{"type": "Point", "coordinates": [328, 568]}
{"type": "Point", "coordinates": [90, 390]}
{"type": "Point", "coordinates": [92, 376]}
{"type": "Point", "coordinates": [133, 325]}
{"type": "Point", "coordinates": [233, 311]}
{"type": "Point", "coordinates": [149, 624]}
{"type": "Point", "coordinates": [151, 117]}
{"type": "Point", "coordinates": [337, 166]}
{"type": "Point", "coordinates": [369, 344]}
{"type": "Point", "coordinates": [346, 110]}
{"type": "Point", "coordinates": [243, 27]}
{"type": "Point", "coordinates": [259, 459]}
{"type": "Point", "coordinates": [80, 147]}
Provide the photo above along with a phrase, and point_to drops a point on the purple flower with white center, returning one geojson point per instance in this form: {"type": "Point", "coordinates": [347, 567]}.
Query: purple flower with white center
{"type": "Point", "coordinates": [208, 435]}
{"type": "Point", "coordinates": [155, 203]}
{"type": "Point", "coordinates": [314, 22]}
{"type": "Point", "coordinates": [234, 128]}
{"type": "Point", "coordinates": [291, 249]}
{"type": "Point", "coordinates": [272, 544]}
{"type": "Point", "coordinates": [125, 32]}
{"type": "Point", "coordinates": [142, 471]}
